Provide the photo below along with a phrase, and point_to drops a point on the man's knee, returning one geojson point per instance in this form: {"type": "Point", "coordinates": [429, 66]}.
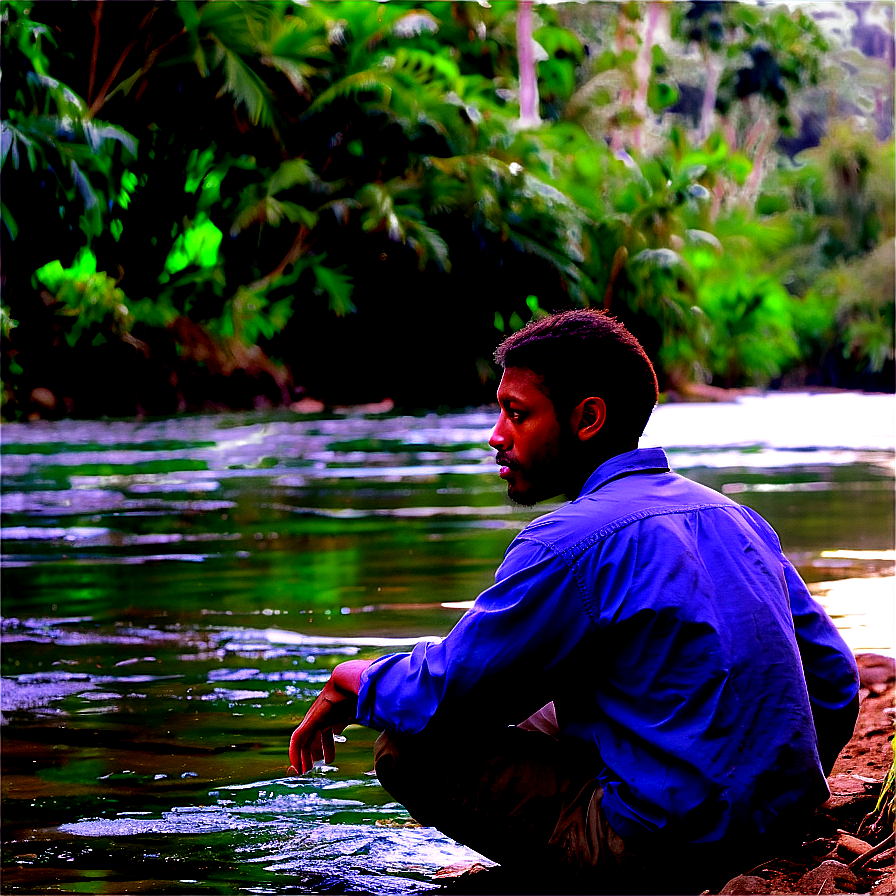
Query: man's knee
{"type": "Point", "coordinates": [409, 768]}
{"type": "Point", "coordinates": [833, 729]}
{"type": "Point", "coordinates": [388, 760]}
{"type": "Point", "coordinates": [385, 751]}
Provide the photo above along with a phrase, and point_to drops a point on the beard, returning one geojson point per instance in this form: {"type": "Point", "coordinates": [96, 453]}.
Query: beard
{"type": "Point", "coordinates": [544, 477]}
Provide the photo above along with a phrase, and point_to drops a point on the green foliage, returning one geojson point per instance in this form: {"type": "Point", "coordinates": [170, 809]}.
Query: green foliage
{"type": "Point", "coordinates": [886, 802]}
{"type": "Point", "coordinates": [198, 245]}
{"type": "Point", "coordinates": [854, 302]}
{"type": "Point", "coordinates": [6, 322]}
{"type": "Point", "coordinates": [51, 125]}
{"type": "Point", "coordinates": [557, 73]}
{"type": "Point", "coordinates": [753, 336]}
{"type": "Point", "coordinates": [90, 299]}
{"type": "Point", "coordinates": [330, 135]}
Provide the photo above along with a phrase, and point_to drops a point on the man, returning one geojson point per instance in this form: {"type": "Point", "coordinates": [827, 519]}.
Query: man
{"type": "Point", "coordinates": [648, 689]}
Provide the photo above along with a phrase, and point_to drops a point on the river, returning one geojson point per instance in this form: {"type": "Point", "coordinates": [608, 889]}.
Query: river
{"type": "Point", "coordinates": [176, 591]}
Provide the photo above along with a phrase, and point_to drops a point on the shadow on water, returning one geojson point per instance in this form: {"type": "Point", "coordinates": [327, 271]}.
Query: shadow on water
{"type": "Point", "coordinates": [175, 592]}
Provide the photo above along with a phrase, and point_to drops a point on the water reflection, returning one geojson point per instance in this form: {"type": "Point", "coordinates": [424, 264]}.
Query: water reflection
{"type": "Point", "coordinates": [175, 592]}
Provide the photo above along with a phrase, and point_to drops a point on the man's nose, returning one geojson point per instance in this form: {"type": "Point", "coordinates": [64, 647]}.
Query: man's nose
{"type": "Point", "coordinates": [499, 439]}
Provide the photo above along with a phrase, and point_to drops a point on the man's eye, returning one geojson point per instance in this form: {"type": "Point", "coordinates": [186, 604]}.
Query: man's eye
{"type": "Point", "coordinates": [516, 416]}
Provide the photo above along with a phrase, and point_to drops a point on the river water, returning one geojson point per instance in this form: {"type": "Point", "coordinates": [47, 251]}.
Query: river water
{"type": "Point", "coordinates": [176, 591]}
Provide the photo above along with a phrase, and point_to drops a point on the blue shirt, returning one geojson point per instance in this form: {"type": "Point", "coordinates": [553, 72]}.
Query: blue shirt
{"type": "Point", "coordinates": [673, 635]}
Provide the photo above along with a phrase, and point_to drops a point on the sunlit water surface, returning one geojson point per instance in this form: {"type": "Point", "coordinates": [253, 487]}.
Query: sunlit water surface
{"type": "Point", "coordinates": [175, 592]}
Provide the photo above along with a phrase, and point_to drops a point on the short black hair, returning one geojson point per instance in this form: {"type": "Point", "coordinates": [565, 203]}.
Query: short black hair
{"type": "Point", "coordinates": [587, 352]}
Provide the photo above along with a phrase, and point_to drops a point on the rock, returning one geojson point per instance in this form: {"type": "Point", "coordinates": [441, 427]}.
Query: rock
{"type": "Point", "coordinates": [843, 805]}
{"type": "Point", "coordinates": [851, 798]}
{"type": "Point", "coordinates": [840, 784]}
{"type": "Point", "coordinates": [848, 847]}
{"type": "Point", "coordinates": [375, 407]}
{"type": "Point", "coordinates": [746, 884]}
{"type": "Point", "coordinates": [460, 869]}
{"type": "Point", "coordinates": [828, 877]}
{"type": "Point", "coordinates": [307, 406]}
{"type": "Point", "coordinates": [876, 670]}
{"type": "Point", "coordinates": [884, 858]}
{"type": "Point", "coordinates": [43, 398]}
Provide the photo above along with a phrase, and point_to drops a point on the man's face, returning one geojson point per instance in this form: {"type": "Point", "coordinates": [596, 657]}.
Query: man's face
{"type": "Point", "coordinates": [528, 438]}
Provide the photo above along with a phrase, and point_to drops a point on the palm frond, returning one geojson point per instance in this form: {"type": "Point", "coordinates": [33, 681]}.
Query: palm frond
{"type": "Point", "coordinates": [294, 213]}
{"type": "Point", "coordinates": [369, 79]}
{"type": "Point", "coordinates": [290, 45]}
{"type": "Point", "coordinates": [338, 287]}
{"type": "Point", "coordinates": [246, 86]}
{"type": "Point", "coordinates": [67, 101]}
{"type": "Point", "coordinates": [531, 246]}
{"type": "Point", "coordinates": [10, 138]}
{"type": "Point", "coordinates": [379, 211]}
{"type": "Point", "coordinates": [340, 208]}
{"type": "Point", "coordinates": [96, 132]}
{"type": "Point", "coordinates": [298, 73]}
{"type": "Point", "coordinates": [427, 242]}
{"type": "Point", "coordinates": [10, 222]}
{"type": "Point", "coordinates": [291, 173]}
{"type": "Point", "coordinates": [83, 185]}
{"type": "Point", "coordinates": [426, 66]}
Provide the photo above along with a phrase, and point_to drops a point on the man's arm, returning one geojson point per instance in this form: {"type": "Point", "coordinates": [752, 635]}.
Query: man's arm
{"type": "Point", "coordinates": [334, 708]}
{"type": "Point", "coordinates": [830, 669]}
{"type": "Point", "coordinates": [495, 667]}
{"type": "Point", "coordinates": [501, 662]}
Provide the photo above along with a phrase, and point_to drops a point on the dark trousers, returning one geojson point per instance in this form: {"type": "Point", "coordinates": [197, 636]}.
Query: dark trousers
{"type": "Point", "coordinates": [527, 798]}
{"type": "Point", "coordinates": [833, 730]}
{"type": "Point", "coordinates": [530, 802]}
{"type": "Point", "coordinates": [523, 799]}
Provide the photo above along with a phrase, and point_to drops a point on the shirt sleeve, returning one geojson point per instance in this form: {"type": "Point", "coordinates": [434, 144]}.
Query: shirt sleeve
{"type": "Point", "coordinates": [829, 666]}
{"type": "Point", "coordinates": [498, 664]}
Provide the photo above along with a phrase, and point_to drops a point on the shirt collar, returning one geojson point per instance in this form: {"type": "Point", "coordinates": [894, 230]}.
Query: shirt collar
{"type": "Point", "coordinates": [641, 460]}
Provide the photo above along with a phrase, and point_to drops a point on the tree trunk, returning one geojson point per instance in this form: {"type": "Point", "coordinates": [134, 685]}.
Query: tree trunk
{"type": "Point", "coordinates": [642, 70]}
{"type": "Point", "coordinates": [710, 92]}
{"type": "Point", "coordinates": [529, 116]}
{"type": "Point", "coordinates": [754, 180]}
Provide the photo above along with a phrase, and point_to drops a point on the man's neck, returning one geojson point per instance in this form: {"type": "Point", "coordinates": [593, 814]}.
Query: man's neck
{"type": "Point", "coordinates": [582, 472]}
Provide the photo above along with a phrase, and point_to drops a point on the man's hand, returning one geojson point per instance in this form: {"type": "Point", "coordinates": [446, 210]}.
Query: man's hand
{"type": "Point", "coordinates": [334, 708]}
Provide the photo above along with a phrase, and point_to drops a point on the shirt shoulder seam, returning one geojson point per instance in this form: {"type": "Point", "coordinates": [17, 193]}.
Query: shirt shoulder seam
{"type": "Point", "coordinates": [572, 554]}
{"type": "Point", "coordinates": [574, 571]}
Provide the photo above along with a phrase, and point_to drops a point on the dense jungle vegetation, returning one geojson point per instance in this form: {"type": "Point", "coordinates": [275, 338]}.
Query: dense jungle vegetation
{"type": "Point", "coordinates": [235, 204]}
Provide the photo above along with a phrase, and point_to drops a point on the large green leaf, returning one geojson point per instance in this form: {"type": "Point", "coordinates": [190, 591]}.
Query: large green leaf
{"type": "Point", "coordinates": [337, 285]}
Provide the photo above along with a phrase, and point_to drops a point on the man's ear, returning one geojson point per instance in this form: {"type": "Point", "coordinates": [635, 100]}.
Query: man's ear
{"type": "Point", "coordinates": [587, 418]}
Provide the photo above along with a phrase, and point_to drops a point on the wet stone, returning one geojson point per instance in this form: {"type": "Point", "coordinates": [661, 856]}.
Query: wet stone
{"type": "Point", "coordinates": [849, 847]}
{"type": "Point", "coordinates": [876, 671]}
{"type": "Point", "coordinates": [746, 884]}
{"type": "Point", "coordinates": [828, 877]}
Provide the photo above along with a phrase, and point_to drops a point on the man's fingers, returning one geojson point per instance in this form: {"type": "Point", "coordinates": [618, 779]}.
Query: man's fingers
{"type": "Point", "coordinates": [295, 747]}
{"type": "Point", "coordinates": [329, 747]}
{"type": "Point", "coordinates": [331, 712]}
{"type": "Point", "coordinates": [307, 748]}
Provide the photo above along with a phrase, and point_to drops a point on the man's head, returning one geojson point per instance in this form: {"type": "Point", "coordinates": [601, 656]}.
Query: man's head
{"type": "Point", "coordinates": [577, 389]}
